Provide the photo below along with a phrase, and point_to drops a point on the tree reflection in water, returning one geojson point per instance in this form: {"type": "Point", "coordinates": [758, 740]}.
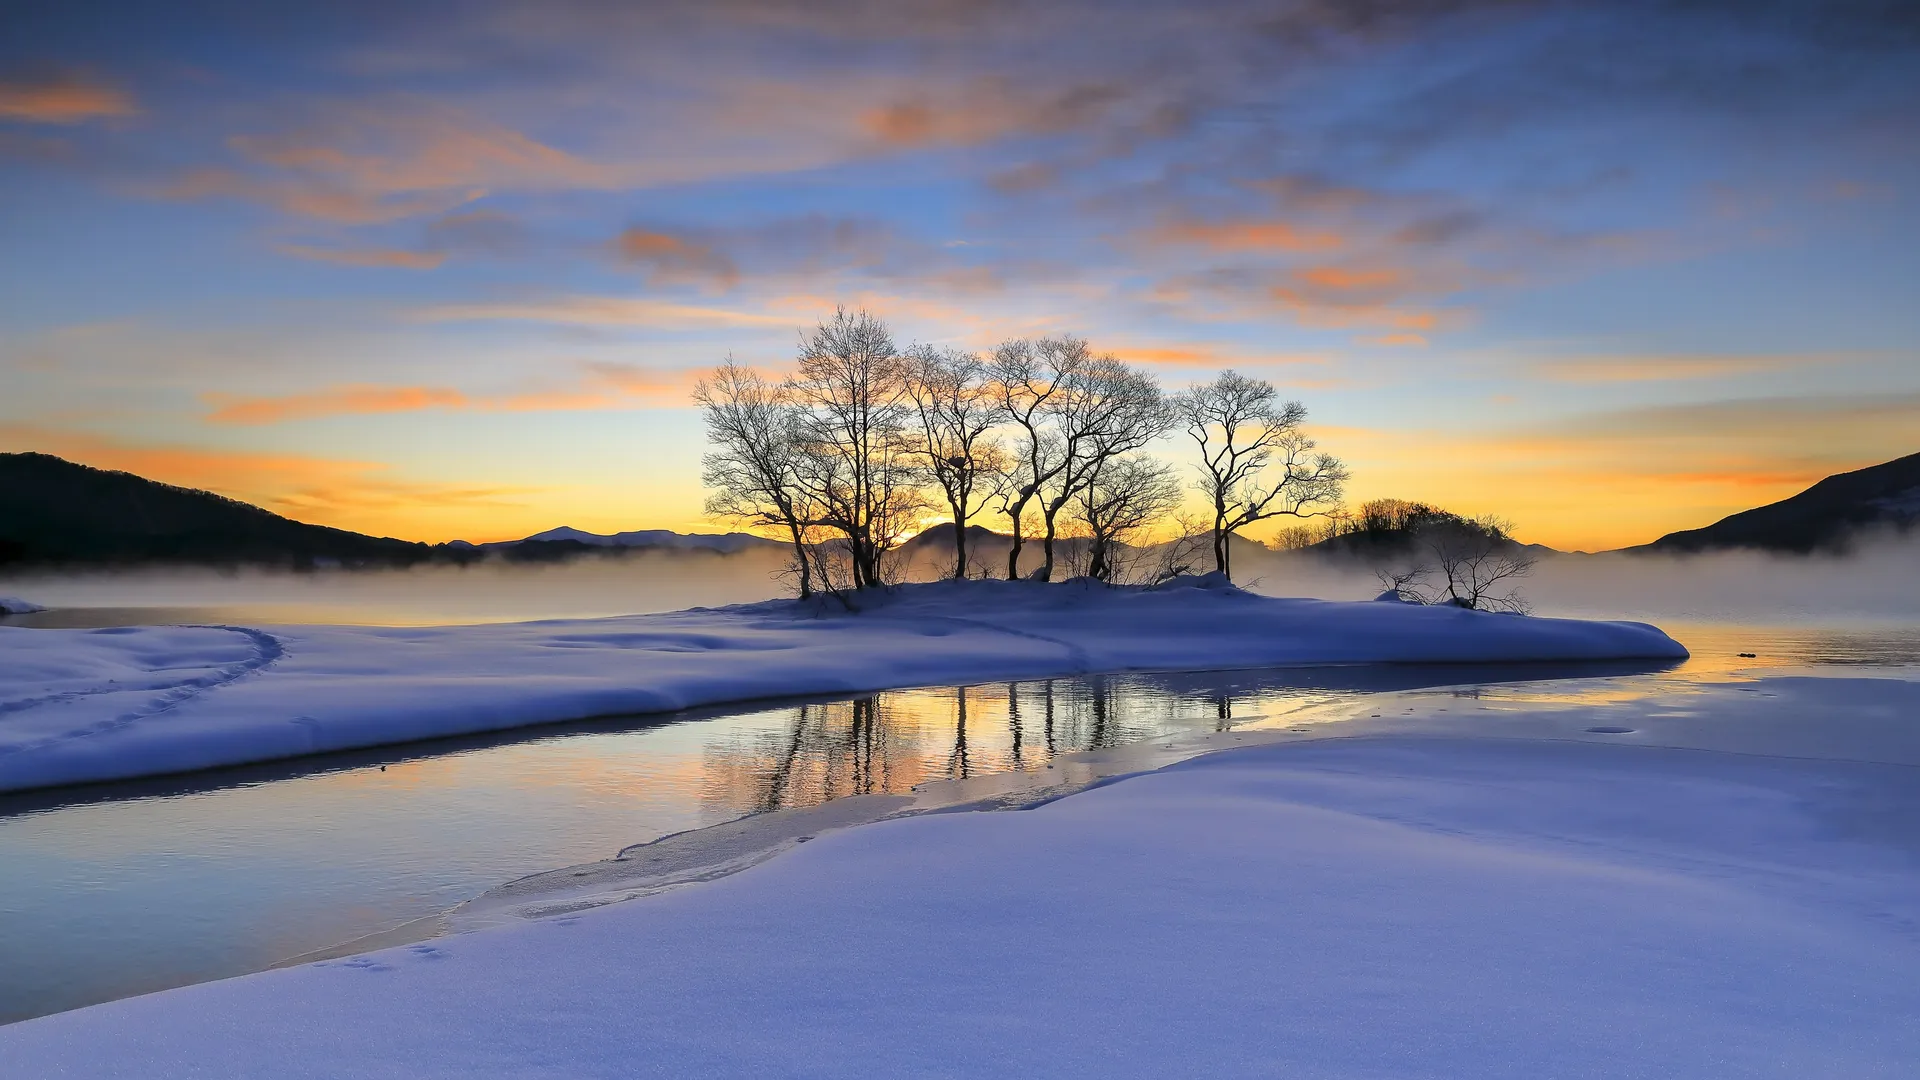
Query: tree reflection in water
{"type": "Point", "coordinates": [887, 743]}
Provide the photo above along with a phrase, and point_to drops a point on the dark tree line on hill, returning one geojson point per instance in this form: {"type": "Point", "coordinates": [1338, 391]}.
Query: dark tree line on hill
{"type": "Point", "coordinates": [55, 512]}
{"type": "Point", "coordinates": [1425, 554]}
{"type": "Point", "coordinates": [864, 441]}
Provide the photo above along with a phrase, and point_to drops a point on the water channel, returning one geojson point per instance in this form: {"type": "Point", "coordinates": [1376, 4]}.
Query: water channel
{"type": "Point", "coordinates": [113, 890]}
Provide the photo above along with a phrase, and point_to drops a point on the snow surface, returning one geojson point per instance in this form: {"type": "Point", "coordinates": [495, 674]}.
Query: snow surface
{"type": "Point", "coordinates": [13, 605]}
{"type": "Point", "coordinates": [85, 705]}
{"type": "Point", "coordinates": [1369, 908]}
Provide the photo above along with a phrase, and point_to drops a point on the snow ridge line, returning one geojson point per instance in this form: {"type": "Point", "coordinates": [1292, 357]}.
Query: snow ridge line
{"type": "Point", "coordinates": [1075, 653]}
{"type": "Point", "coordinates": [268, 650]}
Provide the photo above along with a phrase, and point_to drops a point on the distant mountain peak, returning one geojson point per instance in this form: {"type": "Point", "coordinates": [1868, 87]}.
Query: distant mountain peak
{"type": "Point", "coordinates": [1827, 516]}
{"type": "Point", "coordinates": [724, 543]}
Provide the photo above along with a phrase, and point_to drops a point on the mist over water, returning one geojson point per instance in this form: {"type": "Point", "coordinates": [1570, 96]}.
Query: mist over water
{"type": "Point", "coordinates": [491, 591]}
{"type": "Point", "coordinates": [1878, 583]}
{"type": "Point", "coordinates": [131, 888]}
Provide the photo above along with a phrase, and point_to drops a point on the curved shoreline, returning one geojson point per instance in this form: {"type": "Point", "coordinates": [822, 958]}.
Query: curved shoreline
{"type": "Point", "coordinates": [710, 852]}
{"type": "Point", "coordinates": [87, 714]}
{"type": "Point", "coordinates": [1624, 712]}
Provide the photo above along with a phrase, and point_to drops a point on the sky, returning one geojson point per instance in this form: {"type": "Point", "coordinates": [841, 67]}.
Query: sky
{"type": "Point", "coordinates": [448, 269]}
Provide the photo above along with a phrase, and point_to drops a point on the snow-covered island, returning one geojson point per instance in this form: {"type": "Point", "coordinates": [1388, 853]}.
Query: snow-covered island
{"type": "Point", "coordinates": [1729, 893]}
{"type": "Point", "coordinates": [90, 705]}
{"type": "Point", "coordinates": [13, 605]}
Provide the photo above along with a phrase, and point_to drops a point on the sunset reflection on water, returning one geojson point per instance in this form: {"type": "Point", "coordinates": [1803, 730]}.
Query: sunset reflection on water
{"type": "Point", "coordinates": [122, 889]}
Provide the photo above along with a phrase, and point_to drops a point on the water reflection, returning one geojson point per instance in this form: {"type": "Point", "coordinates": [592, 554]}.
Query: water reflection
{"type": "Point", "coordinates": [892, 742]}
{"type": "Point", "coordinates": [126, 888]}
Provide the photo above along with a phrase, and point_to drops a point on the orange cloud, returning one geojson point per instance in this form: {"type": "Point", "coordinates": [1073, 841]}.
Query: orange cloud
{"type": "Point", "coordinates": [353, 400]}
{"type": "Point", "coordinates": [62, 100]}
{"type": "Point", "coordinates": [1344, 280]}
{"type": "Point", "coordinates": [369, 163]}
{"type": "Point", "coordinates": [1414, 340]}
{"type": "Point", "coordinates": [1315, 310]}
{"type": "Point", "coordinates": [671, 259]}
{"type": "Point", "coordinates": [1203, 356]}
{"type": "Point", "coordinates": [986, 110]}
{"type": "Point", "coordinates": [1243, 236]}
{"type": "Point", "coordinates": [377, 257]}
{"type": "Point", "coordinates": [606, 386]}
{"type": "Point", "coordinates": [306, 199]}
{"type": "Point", "coordinates": [392, 157]}
{"type": "Point", "coordinates": [410, 147]}
{"type": "Point", "coordinates": [604, 311]}
{"type": "Point", "coordinates": [1615, 369]}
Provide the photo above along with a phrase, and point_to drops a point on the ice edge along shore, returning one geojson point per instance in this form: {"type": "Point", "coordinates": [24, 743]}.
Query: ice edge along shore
{"type": "Point", "coordinates": [80, 706]}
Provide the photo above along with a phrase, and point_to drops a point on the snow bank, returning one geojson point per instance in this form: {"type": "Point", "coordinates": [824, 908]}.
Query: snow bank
{"type": "Point", "coordinates": [84, 705]}
{"type": "Point", "coordinates": [13, 605]}
{"type": "Point", "coordinates": [1345, 909]}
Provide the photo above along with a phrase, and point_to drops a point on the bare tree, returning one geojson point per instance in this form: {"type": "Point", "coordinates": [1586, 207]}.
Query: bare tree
{"type": "Point", "coordinates": [1108, 409]}
{"type": "Point", "coordinates": [1029, 378]}
{"type": "Point", "coordinates": [855, 463]}
{"type": "Point", "coordinates": [1179, 556]}
{"type": "Point", "coordinates": [751, 471]}
{"type": "Point", "coordinates": [1467, 562]}
{"type": "Point", "coordinates": [1245, 433]}
{"type": "Point", "coordinates": [1408, 583]}
{"type": "Point", "coordinates": [1478, 563]}
{"type": "Point", "coordinates": [1121, 497]}
{"type": "Point", "coordinates": [957, 409]}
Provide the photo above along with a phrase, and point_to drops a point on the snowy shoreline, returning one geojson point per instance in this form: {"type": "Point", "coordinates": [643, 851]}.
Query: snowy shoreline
{"type": "Point", "coordinates": [91, 705]}
{"type": "Point", "coordinates": [1381, 905]}
{"type": "Point", "coordinates": [1497, 895]}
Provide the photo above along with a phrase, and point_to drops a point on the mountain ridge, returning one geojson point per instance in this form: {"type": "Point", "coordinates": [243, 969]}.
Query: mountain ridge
{"type": "Point", "coordinates": [58, 512]}
{"type": "Point", "coordinates": [1829, 516]}
{"type": "Point", "coordinates": [54, 511]}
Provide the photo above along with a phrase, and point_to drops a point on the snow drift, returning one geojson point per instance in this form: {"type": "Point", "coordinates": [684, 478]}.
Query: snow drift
{"type": "Point", "coordinates": [88, 705]}
{"type": "Point", "coordinates": [1375, 908]}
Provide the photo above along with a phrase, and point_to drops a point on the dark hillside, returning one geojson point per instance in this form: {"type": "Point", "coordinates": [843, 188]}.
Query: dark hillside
{"type": "Point", "coordinates": [53, 511]}
{"type": "Point", "coordinates": [1827, 516]}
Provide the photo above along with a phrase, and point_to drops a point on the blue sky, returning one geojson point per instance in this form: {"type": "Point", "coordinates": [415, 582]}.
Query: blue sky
{"type": "Point", "coordinates": [1608, 269]}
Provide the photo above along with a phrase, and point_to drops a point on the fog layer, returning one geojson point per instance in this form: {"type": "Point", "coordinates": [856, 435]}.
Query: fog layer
{"type": "Point", "coordinates": [1879, 582]}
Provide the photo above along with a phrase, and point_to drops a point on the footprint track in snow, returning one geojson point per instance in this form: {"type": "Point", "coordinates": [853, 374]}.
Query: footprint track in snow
{"type": "Point", "coordinates": [267, 651]}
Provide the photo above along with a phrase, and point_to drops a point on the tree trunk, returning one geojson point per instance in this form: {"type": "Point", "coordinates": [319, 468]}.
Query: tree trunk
{"type": "Point", "coordinates": [1045, 573]}
{"type": "Point", "coordinates": [800, 557]}
{"type": "Point", "coordinates": [1051, 511]}
{"type": "Point", "coordinates": [1017, 514]}
{"type": "Point", "coordinates": [959, 545]}
{"type": "Point", "coordinates": [1097, 567]}
{"type": "Point", "coordinates": [1220, 538]}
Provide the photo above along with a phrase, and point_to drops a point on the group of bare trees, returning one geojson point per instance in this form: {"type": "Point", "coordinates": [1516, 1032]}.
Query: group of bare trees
{"type": "Point", "coordinates": [1424, 554]}
{"type": "Point", "coordinates": [1467, 562]}
{"type": "Point", "coordinates": [864, 443]}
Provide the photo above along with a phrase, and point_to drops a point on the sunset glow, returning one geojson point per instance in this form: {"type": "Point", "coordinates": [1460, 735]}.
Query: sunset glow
{"type": "Point", "coordinates": [450, 270]}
